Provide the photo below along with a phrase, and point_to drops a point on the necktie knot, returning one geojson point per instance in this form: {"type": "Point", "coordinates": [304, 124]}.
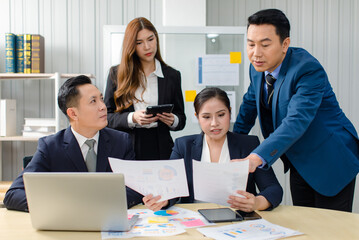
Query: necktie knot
{"type": "Point", "coordinates": [90, 143]}
{"type": "Point", "coordinates": [270, 88]}
{"type": "Point", "coordinates": [270, 79]}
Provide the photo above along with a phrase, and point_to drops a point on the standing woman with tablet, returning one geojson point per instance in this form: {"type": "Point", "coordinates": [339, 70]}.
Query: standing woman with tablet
{"type": "Point", "coordinates": [143, 79]}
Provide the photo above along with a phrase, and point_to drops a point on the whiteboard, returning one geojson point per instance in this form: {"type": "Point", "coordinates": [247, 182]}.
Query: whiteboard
{"type": "Point", "coordinates": [180, 48]}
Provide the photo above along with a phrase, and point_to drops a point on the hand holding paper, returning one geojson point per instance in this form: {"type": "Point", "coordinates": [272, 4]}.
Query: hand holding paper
{"type": "Point", "coordinates": [224, 180]}
{"type": "Point", "coordinates": [159, 178]}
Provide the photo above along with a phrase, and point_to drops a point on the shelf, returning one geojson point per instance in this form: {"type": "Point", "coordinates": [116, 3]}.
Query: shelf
{"type": "Point", "coordinates": [56, 77]}
{"type": "Point", "coordinates": [9, 76]}
{"type": "Point", "coordinates": [19, 138]}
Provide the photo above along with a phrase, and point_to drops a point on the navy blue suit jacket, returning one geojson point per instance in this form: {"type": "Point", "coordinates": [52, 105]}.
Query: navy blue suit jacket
{"type": "Point", "coordinates": [190, 147]}
{"type": "Point", "coordinates": [61, 153]}
{"type": "Point", "coordinates": [309, 126]}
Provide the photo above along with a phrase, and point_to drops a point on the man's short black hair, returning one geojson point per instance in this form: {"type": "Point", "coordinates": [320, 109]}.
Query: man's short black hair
{"type": "Point", "coordinates": [273, 17]}
{"type": "Point", "coordinates": [68, 93]}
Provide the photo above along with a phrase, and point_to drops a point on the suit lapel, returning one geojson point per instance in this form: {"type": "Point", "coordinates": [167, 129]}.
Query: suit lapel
{"type": "Point", "coordinates": [258, 88]}
{"type": "Point", "coordinates": [197, 146]}
{"type": "Point", "coordinates": [103, 151]}
{"type": "Point", "coordinates": [278, 84]}
{"type": "Point", "coordinates": [73, 151]}
{"type": "Point", "coordinates": [231, 146]}
{"type": "Point", "coordinates": [161, 90]}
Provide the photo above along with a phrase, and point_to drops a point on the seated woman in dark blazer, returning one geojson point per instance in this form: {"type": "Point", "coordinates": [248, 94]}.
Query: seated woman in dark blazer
{"type": "Point", "coordinates": [217, 144]}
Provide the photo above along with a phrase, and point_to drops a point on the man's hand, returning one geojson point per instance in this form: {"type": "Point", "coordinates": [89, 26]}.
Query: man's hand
{"type": "Point", "coordinates": [254, 161]}
{"type": "Point", "coordinates": [152, 202]}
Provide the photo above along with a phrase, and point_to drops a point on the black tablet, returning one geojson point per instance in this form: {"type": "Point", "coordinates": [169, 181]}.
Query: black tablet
{"type": "Point", "coordinates": [159, 109]}
{"type": "Point", "coordinates": [220, 215]}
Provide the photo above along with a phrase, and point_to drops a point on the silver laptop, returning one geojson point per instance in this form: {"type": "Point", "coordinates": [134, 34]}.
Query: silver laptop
{"type": "Point", "coordinates": [77, 201]}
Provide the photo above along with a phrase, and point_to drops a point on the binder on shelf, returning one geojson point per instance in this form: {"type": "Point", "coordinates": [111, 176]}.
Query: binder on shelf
{"type": "Point", "coordinates": [10, 53]}
{"type": "Point", "coordinates": [37, 54]}
{"type": "Point", "coordinates": [20, 53]}
{"type": "Point", "coordinates": [7, 117]}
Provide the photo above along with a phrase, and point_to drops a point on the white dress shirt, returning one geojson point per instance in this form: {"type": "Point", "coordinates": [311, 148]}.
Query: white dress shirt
{"type": "Point", "coordinates": [149, 97]}
{"type": "Point", "coordinates": [206, 156]}
{"type": "Point", "coordinates": [81, 141]}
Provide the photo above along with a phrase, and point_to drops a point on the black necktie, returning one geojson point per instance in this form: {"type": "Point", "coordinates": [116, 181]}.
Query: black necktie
{"type": "Point", "coordinates": [270, 87]}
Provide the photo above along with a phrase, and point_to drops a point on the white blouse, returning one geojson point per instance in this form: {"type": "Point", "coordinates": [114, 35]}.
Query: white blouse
{"type": "Point", "coordinates": [149, 97]}
{"type": "Point", "coordinates": [206, 156]}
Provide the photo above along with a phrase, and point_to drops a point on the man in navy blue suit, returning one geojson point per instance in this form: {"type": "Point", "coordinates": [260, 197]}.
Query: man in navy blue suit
{"type": "Point", "coordinates": [66, 150]}
{"type": "Point", "coordinates": [299, 115]}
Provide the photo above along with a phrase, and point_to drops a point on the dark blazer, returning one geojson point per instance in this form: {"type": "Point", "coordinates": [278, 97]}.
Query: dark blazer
{"type": "Point", "coordinates": [169, 92]}
{"type": "Point", "coordinates": [309, 126]}
{"type": "Point", "coordinates": [61, 153]}
{"type": "Point", "coordinates": [190, 147]}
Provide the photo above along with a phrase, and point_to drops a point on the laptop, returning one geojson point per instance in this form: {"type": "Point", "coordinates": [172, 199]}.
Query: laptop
{"type": "Point", "coordinates": [77, 201]}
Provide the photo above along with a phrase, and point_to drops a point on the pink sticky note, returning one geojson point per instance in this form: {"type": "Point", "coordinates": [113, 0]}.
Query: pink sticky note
{"type": "Point", "coordinates": [129, 216]}
{"type": "Point", "coordinates": [194, 223]}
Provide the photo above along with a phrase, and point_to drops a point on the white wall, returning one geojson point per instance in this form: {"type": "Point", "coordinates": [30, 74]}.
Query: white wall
{"type": "Point", "coordinates": [73, 44]}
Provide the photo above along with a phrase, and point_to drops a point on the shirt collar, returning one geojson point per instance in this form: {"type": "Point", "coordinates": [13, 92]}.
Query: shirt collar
{"type": "Point", "coordinates": [275, 73]}
{"type": "Point", "coordinates": [158, 72]}
{"type": "Point", "coordinates": [81, 139]}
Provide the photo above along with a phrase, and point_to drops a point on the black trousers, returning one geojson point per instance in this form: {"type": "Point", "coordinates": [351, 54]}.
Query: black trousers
{"type": "Point", "coordinates": [146, 144]}
{"type": "Point", "coordinates": [305, 195]}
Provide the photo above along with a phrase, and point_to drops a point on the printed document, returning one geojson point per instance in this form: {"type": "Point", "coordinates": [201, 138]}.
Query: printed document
{"type": "Point", "coordinates": [256, 229]}
{"type": "Point", "coordinates": [214, 182]}
{"type": "Point", "coordinates": [160, 177]}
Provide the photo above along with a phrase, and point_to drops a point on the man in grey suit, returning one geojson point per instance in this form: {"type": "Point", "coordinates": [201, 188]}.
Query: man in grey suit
{"type": "Point", "coordinates": [69, 150]}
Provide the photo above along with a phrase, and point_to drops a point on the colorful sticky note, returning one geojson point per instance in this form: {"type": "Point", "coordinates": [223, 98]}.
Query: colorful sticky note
{"type": "Point", "coordinates": [194, 223]}
{"type": "Point", "coordinates": [190, 95]}
{"type": "Point", "coordinates": [235, 57]}
{"type": "Point", "coordinates": [157, 220]}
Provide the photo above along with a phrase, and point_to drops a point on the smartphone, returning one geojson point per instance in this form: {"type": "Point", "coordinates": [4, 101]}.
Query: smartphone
{"type": "Point", "coordinates": [220, 215]}
{"type": "Point", "coordinates": [249, 215]}
{"type": "Point", "coordinates": [159, 109]}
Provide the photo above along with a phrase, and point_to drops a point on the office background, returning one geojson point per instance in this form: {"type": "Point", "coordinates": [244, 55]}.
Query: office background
{"type": "Point", "coordinates": [328, 29]}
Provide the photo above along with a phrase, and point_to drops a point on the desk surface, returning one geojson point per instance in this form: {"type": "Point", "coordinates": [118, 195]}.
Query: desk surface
{"type": "Point", "coordinates": [315, 223]}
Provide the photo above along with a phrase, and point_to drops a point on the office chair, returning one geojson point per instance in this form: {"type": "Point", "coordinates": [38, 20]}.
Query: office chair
{"type": "Point", "coordinates": [25, 161]}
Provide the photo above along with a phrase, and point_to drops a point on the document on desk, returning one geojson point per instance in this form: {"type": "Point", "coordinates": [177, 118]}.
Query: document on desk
{"type": "Point", "coordinates": [254, 229]}
{"type": "Point", "coordinates": [214, 182]}
{"type": "Point", "coordinates": [163, 177]}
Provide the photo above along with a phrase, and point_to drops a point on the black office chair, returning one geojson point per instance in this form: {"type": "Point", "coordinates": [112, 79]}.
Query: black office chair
{"type": "Point", "coordinates": [25, 161]}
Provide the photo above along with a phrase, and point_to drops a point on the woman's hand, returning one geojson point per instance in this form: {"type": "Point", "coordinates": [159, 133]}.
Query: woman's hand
{"type": "Point", "coordinates": [140, 117]}
{"type": "Point", "coordinates": [152, 202]}
{"type": "Point", "coordinates": [166, 118]}
{"type": "Point", "coordinates": [249, 202]}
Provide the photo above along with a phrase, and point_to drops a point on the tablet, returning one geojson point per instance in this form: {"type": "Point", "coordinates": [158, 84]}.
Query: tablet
{"type": "Point", "coordinates": [159, 109]}
{"type": "Point", "coordinates": [220, 215]}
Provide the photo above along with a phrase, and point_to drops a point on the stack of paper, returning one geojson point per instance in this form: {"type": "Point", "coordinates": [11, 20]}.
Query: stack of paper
{"type": "Point", "coordinates": [39, 127]}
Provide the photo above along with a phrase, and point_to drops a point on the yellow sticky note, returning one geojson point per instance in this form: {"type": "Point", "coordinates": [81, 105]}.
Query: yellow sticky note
{"type": "Point", "coordinates": [235, 57]}
{"type": "Point", "coordinates": [190, 95]}
{"type": "Point", "coordinates": [157, 220]}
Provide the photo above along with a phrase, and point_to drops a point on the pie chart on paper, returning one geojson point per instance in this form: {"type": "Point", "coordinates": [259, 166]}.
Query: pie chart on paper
{"type": "Point", "coordinates": [166, 213]}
